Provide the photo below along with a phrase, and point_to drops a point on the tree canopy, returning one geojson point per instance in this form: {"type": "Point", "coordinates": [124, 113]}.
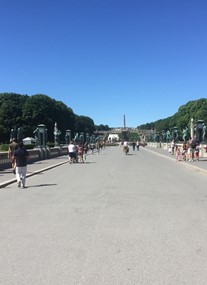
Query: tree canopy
{"type": "Point", "coordinates": [196, 109]}
{"type": "Point", "coordinates": [27, 112]}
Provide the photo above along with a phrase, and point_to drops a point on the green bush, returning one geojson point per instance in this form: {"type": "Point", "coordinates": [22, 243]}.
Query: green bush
{"type": "Point", "coordinates": [4, 147]}
{"type": "Point", "coordinates": [49, 144]}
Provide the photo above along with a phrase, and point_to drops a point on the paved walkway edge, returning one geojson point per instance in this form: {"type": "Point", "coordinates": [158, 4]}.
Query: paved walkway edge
{"type": "Point", "coordinates": [186, 163]}
{"type": "Point", "coordinates": [6, 183]}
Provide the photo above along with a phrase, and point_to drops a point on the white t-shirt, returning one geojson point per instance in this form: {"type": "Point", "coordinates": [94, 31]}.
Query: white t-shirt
{"type": "Point", "coordinates": [71, 148]}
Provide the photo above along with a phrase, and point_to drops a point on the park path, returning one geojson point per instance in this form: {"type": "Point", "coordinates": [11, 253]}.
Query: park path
{"type": "Point", "coordinates": [115, 220]}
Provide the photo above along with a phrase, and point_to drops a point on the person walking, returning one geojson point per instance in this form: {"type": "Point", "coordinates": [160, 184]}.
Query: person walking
{"type": "Point", "coordinates": [20, 156]}
{"type": "Point", "coordinates": [72, 152]}
{"type": "Point", "coordinates": [133, 145]}
{"type": "Point", "coordinates": [80, 153]}
{"type": "Point", "coordinates": [125, 147]}
{"type": "Point", "coordinates": [191, 147]}
{"type": "Point", "coordinates": [137, 144]}
{"type": "Point", "coordinates": [98, 146]}
{"type": "Point", "coordinates": [12, 147]}
{"type": "Point", "coordinates": [177, 153]}
{"type": "Point", "coordinates": [172, 145]}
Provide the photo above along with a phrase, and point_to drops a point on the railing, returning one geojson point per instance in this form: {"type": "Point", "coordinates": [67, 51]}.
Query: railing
{"type": "Point", "coordinates": [202, 147]}
{"type": "Point", "coordinates": [35, 154]}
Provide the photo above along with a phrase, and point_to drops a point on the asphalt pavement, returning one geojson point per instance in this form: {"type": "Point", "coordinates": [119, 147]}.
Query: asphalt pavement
{"type": "Point", "coordinates": [136, 219]}
{"type": "Point", "coordinates": [7, 177]}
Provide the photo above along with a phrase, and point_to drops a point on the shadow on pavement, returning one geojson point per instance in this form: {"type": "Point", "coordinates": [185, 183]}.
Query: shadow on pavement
{"type": "Point", "coordinates": [41, 185]}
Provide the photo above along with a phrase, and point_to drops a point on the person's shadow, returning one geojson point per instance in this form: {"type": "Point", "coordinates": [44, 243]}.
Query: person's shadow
{"type": "Point", "coordinates": [41, 185]}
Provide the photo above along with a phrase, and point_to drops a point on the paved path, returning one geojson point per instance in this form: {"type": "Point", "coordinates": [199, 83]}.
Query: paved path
{"type": "Point", "coordinates": [7, 177]}
{"type": "Point", "coordinates": [115, 220]}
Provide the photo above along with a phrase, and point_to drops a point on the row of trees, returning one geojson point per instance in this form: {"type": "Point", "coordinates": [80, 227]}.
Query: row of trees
{"type": "Point", "coordinates": [26, 112]}
{"type": "Point", "coordinates": [196, 109]}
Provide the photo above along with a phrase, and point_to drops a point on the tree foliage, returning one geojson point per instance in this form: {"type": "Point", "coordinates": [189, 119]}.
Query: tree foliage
{"type": "Point", "coordinates": [11, 106]}
{"type": "Point", "coordinates": [84, 124]}
{"type": "Point", "coordinates": [102, 128]}
{"type": "Point", "coordinates": [27, 112]}
{"type": "Point", "coordinates": [196, 109]}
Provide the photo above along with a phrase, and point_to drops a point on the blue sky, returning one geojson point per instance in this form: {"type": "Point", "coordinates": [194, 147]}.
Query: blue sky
{"type": "Point", "coordinates": [106, 58]}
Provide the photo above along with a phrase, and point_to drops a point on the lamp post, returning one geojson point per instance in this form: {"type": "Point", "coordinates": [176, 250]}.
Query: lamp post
{"type": "Point", "coordinates": [191, 128]}
{"type": "Point", "coordinates": [42, 138]}
{"type": "Point", "coordinates": [199, 130]}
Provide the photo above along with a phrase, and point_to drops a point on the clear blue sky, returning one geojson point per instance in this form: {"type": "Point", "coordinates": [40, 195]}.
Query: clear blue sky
{"type": "Point", "coordinates": [106, 58]}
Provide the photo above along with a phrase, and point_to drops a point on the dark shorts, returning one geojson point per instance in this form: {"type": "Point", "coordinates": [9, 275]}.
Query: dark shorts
{"type": "Point", "coordinates": [72, 154]}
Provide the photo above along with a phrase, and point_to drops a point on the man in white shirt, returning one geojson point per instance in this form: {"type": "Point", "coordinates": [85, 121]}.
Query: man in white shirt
{"type": "Point", "coordinates": [125, 147]}
{"type": "Point", "coordinates": [72, 152]}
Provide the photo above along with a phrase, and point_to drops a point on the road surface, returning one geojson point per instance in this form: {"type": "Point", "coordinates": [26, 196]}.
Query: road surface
{"type": "Point", "coordinates": [137, 219]}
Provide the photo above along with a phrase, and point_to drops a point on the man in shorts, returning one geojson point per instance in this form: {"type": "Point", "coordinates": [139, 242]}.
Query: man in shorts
{"type": "Point", "coordinates": [72, 152]}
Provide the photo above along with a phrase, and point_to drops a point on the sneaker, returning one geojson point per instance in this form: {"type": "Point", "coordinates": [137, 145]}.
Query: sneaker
{"type": "Point", "coordinates": [19, 184]}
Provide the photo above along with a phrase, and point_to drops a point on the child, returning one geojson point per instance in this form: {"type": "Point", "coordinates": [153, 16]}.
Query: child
{"type": "Point", "coordinates": [177, 153]}
{"type": "Point", "coordinates": [80, 153]}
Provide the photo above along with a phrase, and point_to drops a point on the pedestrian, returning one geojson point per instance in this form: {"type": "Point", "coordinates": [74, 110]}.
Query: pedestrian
{"type": "Point", "coordinates": [197, 151]}
{"type": "Point", "coordinates": [172, 145]}
{"type": "Point", "coordinates": [85, 147]}
{"type": "Point", "coordinates": [80, 153]}
{"type": "Point", "coordinates": [137, 144]}
{"type": "Point", "coordinates": [177, 153]}
{"type": "Point", "coordinates": [12, 147]}
{"type": "Point", "coordinates": [191, 147]}
{"type": "Point", "coordinates": [72, 152]}
{"type": "Point", "coordinates": [125, 147]}
{"type": "Point", "coordinates": [20, 156]}
{"type": "Point", "coordinates": [133, 145]}
{"type": "Point", "coordinates": [184, 151]}
{"type": "Point", "coordinates": [92, 147]}
{"type": "Point", "coordinates": [98, 145]}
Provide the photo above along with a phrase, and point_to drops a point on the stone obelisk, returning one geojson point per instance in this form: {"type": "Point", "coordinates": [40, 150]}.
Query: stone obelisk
{"type": "Point", "coordinates": [124, 122]}
{"type": "Point", "coordinates": [124, 130]}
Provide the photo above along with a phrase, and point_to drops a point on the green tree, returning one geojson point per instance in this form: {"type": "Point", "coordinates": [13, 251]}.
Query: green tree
{"type": "Point", "coordinates": [64, 117]}
{"type": "Point", "coordinates": [38, 109]}
{"type": "Point", "coordinates": [102, 128]}
{"type": "Point", "coordinates": [196, 109]}
{"type": "Point", "coordinates": [84, 124]}
{"type": "Point", "coordinates": [11, 105]}
{"type": "Point", "coordinates": [41, 109]}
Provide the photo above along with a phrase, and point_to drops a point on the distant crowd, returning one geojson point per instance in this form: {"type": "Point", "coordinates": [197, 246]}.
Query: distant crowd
{"type": "Point", "coordinates": [188, 151]}
{"type": "Point", "coordinates": [77, 151]}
